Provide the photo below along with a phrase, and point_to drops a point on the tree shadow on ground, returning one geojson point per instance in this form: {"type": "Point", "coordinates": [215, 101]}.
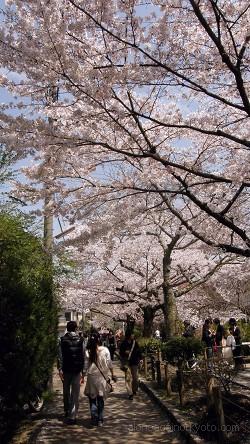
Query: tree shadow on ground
{"type": "Point", "coordinates": [125, 422]}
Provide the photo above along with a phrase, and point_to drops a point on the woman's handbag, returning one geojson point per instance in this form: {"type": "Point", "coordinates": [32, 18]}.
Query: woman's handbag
{"type": "Point", "coordinates": [109, 386]}
{"type": "Point", "coordinates": [215, 347]}
{"type": "Point", "coordinates": [125, 361]}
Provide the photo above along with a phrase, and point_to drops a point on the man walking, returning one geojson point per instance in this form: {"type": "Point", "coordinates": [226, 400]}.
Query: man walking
{"type": "Point", "coordinates": [71, 352]}
{"type": "Point", "coordinates": [130, 354]}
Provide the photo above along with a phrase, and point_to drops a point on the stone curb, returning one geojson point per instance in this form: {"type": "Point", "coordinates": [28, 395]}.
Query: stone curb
{"type": "Point", "coordinates": [27, 431]}
{"type": "Point", "coordinates": [174, 415]}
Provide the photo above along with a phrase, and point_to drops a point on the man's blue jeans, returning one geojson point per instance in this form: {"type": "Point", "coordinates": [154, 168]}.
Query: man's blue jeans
{"type": "Point", "coordinates": [96, 408]}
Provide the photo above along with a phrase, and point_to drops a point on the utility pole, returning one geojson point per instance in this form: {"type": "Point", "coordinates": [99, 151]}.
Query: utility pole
{"type": "Point", "coordinates": [52, 96]}
{"type": "Point", "coordinates": [48, 225]}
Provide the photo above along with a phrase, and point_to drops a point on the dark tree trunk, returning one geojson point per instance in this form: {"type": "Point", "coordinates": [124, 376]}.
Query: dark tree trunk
{"type": "Point", "coordinates": [169, 312]}
{"type": "Point", "coordinates": [169, 305]}
{"type": "Point", "coordinates": [148, 319]}
{"type": "Point", "coordinates": [130, 323]}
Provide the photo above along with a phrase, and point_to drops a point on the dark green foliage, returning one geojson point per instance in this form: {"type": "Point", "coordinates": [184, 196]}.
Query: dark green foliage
{"type": "Point", "coordinates": [137, 331]}
{"type": "Point", "coordinates": [244, 327]}
{"type": "Point", "coordinates": [179, 349]}
{"type": "Point", "coordinates": [28, 315]}
{"type": "Point", "coordinates": [149, 345]}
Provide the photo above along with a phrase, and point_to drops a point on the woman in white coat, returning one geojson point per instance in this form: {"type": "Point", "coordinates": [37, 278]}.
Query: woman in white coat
{"type": "Point", "coordinates": [98, 365]}
{"type": "Point", "coordinates": [230, 346]}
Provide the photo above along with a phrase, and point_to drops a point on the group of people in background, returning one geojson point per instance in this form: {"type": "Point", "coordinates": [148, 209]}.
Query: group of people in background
{"type": "Point", "coordinates": [224, 342]}
{"type": "Point", "coordinates": [91, 356]}
{"type": "Point", "coordinates": [81, 356]}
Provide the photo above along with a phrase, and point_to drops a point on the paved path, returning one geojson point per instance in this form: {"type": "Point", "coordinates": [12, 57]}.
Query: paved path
{"type": "Point", "coordinates": [126, 422]}
{"type": "Point", "coordinates": [243, 377]}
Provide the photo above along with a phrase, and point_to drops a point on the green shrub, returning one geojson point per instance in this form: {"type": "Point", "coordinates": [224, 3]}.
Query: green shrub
{"type": "Point", "coordinates": [137, 331]}
{"type": "Point", "coordinates": [149, 345]}
{"type": "Point", "coordinates": [28, 315]}
{"type": "Point", "coordinates": [179, 349]}
{"type": "Point", "coordinates": [244, 328]}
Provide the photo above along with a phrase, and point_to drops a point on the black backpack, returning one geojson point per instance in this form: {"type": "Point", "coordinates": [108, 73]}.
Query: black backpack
{"type": "Point", "coordinates": [72, 353]}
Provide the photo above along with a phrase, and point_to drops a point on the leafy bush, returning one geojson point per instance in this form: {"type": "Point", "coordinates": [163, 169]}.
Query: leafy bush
{"type": "Point", "coordinates": [28, 315]}
{"type": "Point", "coordinates": [149, 345]}
{"type": "Point", "coordinates": [245, 330]}
{"type": "Point", "coordinates": [179, 349]}
{"type": "Point", "coordinates": [137, 331]}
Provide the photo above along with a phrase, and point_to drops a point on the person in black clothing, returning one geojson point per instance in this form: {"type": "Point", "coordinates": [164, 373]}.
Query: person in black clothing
{"type": "Point", "coordinates": [188, 330]}
{"type": "Point", "coordinates": [111, 344]}
{"type": "Point", "coordinates": [208, 337]}
{"type": "Point", "coordinates": [237, 351]}
{"type": "Point", "coordinates": [189, 333]}
{"type": "Point", "coordinates": [219, 334]}
{"type": "Point", "coordinates": [71, 352]}
{"type": "Point", "coordinates": [131, 356]}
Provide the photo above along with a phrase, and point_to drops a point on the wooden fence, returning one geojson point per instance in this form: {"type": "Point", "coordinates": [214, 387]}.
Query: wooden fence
{"type": "Point", "coordinates": [216, 372]}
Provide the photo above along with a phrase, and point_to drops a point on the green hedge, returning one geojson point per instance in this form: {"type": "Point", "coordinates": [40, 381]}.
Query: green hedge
{"type": "Point", "coordinates": [244, 328]}
{"type": "Point", "coordinates": [149, 345]}
{"type": "Point", "coordinates": [179, 349]}
{"type": "Point", "coordinates": [28, 315]}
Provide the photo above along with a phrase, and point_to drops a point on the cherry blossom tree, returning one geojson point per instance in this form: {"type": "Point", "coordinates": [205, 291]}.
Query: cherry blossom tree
{"type": "Point", "coordinates": [151, 102]}
{"type": "Point", "coordinates": [140, 266]}
{"type": "Point", "coordinates": [207, 301]}
{"type": "Point", "coordinates": [158, 97]}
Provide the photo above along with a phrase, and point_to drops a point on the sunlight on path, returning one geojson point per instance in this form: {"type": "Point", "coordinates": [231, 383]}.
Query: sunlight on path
{"type": "Point", "coordinates": [137, 421]}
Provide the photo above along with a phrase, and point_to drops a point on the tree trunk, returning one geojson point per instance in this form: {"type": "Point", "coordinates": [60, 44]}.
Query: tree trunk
{"type": "Point", "coordinates": [148, 319]}
{"type": "Point", "coordinates": [170, 312]}
{"type": "Point", "coordinates": [130, 324]}
{"type": "Point", "coordinates": [169, 305]}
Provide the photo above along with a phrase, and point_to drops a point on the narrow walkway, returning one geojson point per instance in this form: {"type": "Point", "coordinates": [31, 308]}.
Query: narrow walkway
{"type": "Point", "coordinates": [126, 422]}
{"type": "Point", "coordinates": [243, 377]}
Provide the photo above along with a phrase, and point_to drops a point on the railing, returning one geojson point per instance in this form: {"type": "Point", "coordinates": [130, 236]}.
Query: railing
{"type": "Point", "coordinates": [214, 368]}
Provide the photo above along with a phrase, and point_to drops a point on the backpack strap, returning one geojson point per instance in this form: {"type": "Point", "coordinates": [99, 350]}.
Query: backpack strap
{"type": "Point", "coordinates": [131, 351]}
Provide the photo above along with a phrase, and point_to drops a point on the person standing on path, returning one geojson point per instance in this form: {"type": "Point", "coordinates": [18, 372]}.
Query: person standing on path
{"type": "Point", "coordinates": [208, 337]}
{"type": "Point", "coordinates": [219, 335]}
{"type": "Point", "coordinates": [98, 365]}
{"type": "Point", "coordinates": [227, 351]}
{"type": "Point", "coordinates": [71, 352]}
{"type": "Point", "coordinates": [157, 334]}
{"type": "Point", "coordinates": [131, 356]}
{"type": "Point", "coordinates": [238, 360]}
{"type": "Point", "coordinates": [188, 330]}
{"type": "Point", "coordinates": [111, 344]}
{"type": "Point", "coordinates": [189, 333]}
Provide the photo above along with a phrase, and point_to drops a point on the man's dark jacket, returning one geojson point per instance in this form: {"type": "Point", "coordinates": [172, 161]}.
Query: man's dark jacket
{"type": "Point", "coordinates": [136, 353]}
{"type": "Point", "coordinates": [72, 353]}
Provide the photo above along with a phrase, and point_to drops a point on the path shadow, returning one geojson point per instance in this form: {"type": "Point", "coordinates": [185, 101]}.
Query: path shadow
{"type": "Point", "coordinates": [125, 422]}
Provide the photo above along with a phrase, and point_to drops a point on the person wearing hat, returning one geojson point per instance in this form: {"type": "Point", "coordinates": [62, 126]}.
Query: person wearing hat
{"type": "Point", "coordinates": [71, 352]}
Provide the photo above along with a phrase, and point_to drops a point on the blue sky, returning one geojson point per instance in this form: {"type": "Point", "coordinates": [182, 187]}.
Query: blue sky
{"type": "Point", "coordinates": [5, 97]}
